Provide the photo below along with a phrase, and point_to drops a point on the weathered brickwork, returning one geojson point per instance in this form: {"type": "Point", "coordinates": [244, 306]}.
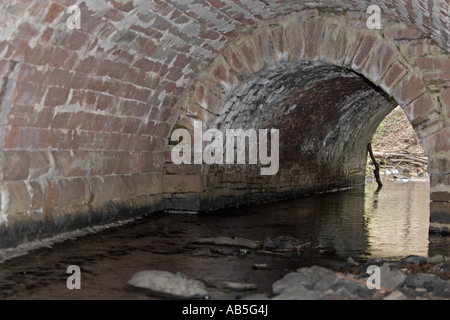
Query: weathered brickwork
{"type": "Point", "coordinates": [85, 115]}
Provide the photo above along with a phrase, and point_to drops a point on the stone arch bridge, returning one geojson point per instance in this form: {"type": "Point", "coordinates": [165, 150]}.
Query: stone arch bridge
{"type": "Point", "coordinates": [86, 114]}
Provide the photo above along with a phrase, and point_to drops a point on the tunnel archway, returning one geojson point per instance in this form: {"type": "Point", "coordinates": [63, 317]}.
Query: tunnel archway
{"type": "Point", "coordinates": [327, 87]}
{"type": "Point", "coordinates": [86, 114]}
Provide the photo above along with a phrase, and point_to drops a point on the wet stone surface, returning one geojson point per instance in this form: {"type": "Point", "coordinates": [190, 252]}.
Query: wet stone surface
{"type": "Point", "coordinates": [413, 277]}
{"type": "Point", "coordinates": [167, 285]}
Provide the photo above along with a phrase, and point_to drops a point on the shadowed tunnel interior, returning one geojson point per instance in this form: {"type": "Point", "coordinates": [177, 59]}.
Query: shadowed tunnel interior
{"type": "Point", "coordinates": [326, 116]}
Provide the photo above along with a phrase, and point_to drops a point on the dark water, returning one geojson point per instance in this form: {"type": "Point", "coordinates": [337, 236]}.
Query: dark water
{"type": "Point", "coordinates": [363, 224]}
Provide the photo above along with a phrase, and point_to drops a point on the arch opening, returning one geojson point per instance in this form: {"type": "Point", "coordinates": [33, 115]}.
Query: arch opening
{"type": "Point", "coordinates": [326, 116]}
{"type": "Point", "coordinates": [326, 88]}
{"type": "Point", "coordinates": [397, 147]}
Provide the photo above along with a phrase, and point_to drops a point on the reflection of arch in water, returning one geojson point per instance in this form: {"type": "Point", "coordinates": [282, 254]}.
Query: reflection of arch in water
{"type": "Point", "coordinates": [397, 224]}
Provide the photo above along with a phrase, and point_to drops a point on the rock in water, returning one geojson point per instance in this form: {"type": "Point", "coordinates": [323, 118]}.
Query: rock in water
{"type": "Point", "coordinates": [226, 241]}
{"type": "Point", "coordinates": [260, 266]}
{"type": "Point", "coordinates": [392, 279]}
{"type": "Point", "coordinates": [313, 278]}
{"type": "Point", "coordinates": [229, 285]}
{"type": "Point", "coordinates": [414, 260]}
{"type": "Point", "coordinates": [281, 243]}
{"type": "Point", "coordinates": [168, 285]}
{"type": "Point", "coordinates": [351, 262]}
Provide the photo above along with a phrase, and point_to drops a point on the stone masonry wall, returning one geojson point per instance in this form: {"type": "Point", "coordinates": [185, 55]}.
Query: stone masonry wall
{"type": "Point", "coordinates": [85, 114]}
{"type": "Point", "coordinates": [323, 134]}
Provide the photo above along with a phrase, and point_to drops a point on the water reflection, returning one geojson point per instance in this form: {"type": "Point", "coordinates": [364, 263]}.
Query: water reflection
{"type": "Point", "coordinates": [391, 222]}
{"type": "Point", "coordinates": [397, 218]}
{"type": "Point", "coordinates": [343, 225]}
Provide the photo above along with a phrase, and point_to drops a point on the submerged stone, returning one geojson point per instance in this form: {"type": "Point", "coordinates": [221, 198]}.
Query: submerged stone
{"type": "Point", "coordinates": [396, 295]}
{"type": "Point", "coordinates": [414, 260]}
{"type": "Point", "coordinates": [260, 266]}
{"type": "Point", "coordinates": [281, 243]}
{"type": "Point", "coordinates": [168, 285]}
{"type": "Point", "coordinates": [313, 278]}
{"type": "Point", "coordinates": [351, 263]}
{"type": "Point", "coordinates": [228, 285]}
{"type": "Point", "coordinates": [226, 241]}
{"type": "Point", "coordinates": [438, 258]}
{"type": "Point", "coordinates": [430, 282]}
{"type": "Point", "coordinates": [391, 279]}
{"type": "Point", "coordinates": [299, 293]}
{"type": "Point", "coordinates": [256, 296]}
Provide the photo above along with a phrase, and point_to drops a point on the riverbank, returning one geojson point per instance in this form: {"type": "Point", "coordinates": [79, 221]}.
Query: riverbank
{"type": "Point", "coordinates": [397, 148]}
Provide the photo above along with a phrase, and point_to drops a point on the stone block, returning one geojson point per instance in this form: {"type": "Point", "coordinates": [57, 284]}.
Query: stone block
{"type": "Point", "coordinates": [182, 183]}
{"type": "Point", "coordinates": [442, 140]}
{"type": "Point", "coordinates": [295, 37]}
{"type": "Point", "coordinates": [263, 44]}
{"type": "Point", "coordinates": [440, 196]}
{"type": "Point", "coordinates": [234, 60]}
{"type": "Point", "coordinates": [363, 53]}
{"type": "Point", "coordinates": [379, 61]}
{"type": "Point", "coordinates": [446, 98]}
{"type": "Point", "coordinates": [440, 212]}
{"type": "Point", "coordinates": [222, 75]}
{"type": "Point", "coordinates": [438, 165]}
{"type": "Point", "coordinates": [53, 12]}
{"type": "Point", "coordinates": [12, 135]}
{"type": "Point", "coordinates": [189, 201]}
{"type": "Point", "coordinates": [251, 55]}
{"type": "Point", "coordinates": [354, 39]}
{"type": "Point", "coordinates": [68, 192]}
{"type": "Point", "coordinates": [279, 43]}
{"type": "Point", "coordinates": [206, 99]}
{"type": "Point", "coordinates": [314, 33]}
{"type": "Point", "coordinates": [147, 183]}
{"type": "Point", "coordinates": [15, 197]}
{"type": "Point", "coordinates": [103, 102]}
{"type": "Point", "coordinates": [30, 94]}
{"type": "Point", "coordinates": [39, 164]}
{"type": "Point", "coordinates": [426, 127]}
{"type": "Point", "coordinates": [394, 74]}
{"type": "Point", "coordinates": [110, 187]}
{"type": "Point", "coordinates": [15, 165]}
{"type": "Point", "coordinates": [56, 96]}
{"type": "Point", "coordinates": [419, 108]}
{"type": "Point", "coordinates": [402, 32]}
{"type": "Point", "coordinates": [438, 63]}
{"type": "Point", "coordinates": [409, 88]}
{"type": "Point", "coordinates": [341, 40]}
{"type": "Point", "coordinates": [188, 169]}
{"type": "Point", "coordinates": [76, 40]}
